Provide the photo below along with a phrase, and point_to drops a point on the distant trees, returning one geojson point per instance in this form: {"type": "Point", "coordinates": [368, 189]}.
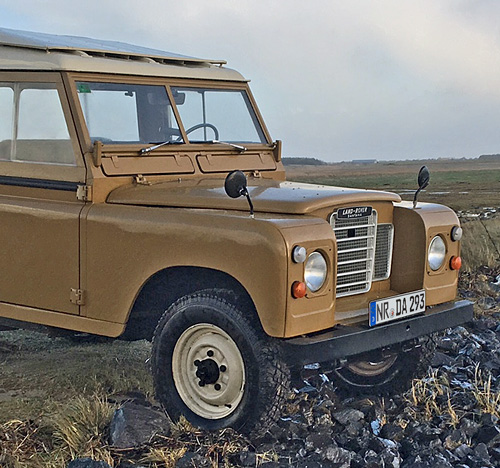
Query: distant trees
{"type": "Point", "coordinates": [303, 162]}
{"type": "Point", "coordinates": [489, 157]}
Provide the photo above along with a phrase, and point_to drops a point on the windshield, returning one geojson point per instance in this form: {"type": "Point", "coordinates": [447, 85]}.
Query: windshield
{"type": "Point", "coordinates": [143, 114]}
{"type": "Point", "coordinates": [216, 114]}
{"type": "Point", "coordinates": [127, 113]}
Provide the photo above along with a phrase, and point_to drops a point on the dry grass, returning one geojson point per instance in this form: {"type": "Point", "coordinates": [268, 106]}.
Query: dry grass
{"type": "Point", "coordinates": [76, 429]}
{"type": "Point", "coordinates": [479, 246]}
{"type": "Point", "coordinates": [434, 396]}
{"type": "Point", "coordinates": [487, 399]}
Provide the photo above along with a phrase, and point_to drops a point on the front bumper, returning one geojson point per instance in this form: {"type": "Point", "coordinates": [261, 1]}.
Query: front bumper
{"type": "Point", "coordinates": [343, 341]}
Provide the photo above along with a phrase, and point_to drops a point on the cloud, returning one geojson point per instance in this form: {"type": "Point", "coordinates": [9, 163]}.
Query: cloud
{"type": "Point", "coordinates": [334, 79]}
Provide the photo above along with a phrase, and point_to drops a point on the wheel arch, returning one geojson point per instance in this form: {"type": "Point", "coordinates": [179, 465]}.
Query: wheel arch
{"type": "Point", "coordinates": [166, 286]}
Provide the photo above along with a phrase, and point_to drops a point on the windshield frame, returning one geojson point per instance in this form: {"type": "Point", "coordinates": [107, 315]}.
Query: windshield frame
{"type": "Point", "coordinates": [133, 147]}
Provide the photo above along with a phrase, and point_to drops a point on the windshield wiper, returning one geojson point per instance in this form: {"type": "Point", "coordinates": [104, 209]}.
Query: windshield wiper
{"type": "Point", "coordinates": [241, 149]}
{"type": "Point", "coordinates": [159, 145]}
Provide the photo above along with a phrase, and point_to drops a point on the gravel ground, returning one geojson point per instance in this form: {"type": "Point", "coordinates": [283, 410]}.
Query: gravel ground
{"type": "Point", "coordinates": [449, 418]}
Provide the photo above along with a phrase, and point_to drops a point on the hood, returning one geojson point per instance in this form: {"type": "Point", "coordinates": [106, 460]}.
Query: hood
{"type": "Point", "coordinates": [267, 196]}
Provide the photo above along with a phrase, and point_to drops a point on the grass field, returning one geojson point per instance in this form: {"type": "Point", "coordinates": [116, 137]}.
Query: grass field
{"type": "Point", "coordinates": [464, 184]}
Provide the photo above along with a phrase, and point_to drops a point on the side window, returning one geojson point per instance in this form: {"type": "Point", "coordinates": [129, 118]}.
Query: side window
{"type": "Point", "coordinates": [32, 126]}
{"type": "Point", "coordinates": [6, 122]}
{"type": "Point", "coordinates": [42, 134]}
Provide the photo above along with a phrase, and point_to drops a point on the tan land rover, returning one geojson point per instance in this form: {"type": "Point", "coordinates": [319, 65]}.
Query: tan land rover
{"type": "Point", "coordinates": [141, 196]}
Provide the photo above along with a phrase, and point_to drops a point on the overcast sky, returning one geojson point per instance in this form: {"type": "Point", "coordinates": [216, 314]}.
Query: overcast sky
{"type": "Point", "coordinates": [334, 79]}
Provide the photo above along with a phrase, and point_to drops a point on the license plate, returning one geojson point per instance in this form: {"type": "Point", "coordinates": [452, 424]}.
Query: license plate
{"type": "Point", "coordinates": [396, 307]}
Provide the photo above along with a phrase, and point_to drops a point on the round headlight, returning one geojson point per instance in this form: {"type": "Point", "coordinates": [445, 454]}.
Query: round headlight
{"type": "Point", "coordinates": [437, 253]}
{"type": "Point", "coordinates": [315, 271]}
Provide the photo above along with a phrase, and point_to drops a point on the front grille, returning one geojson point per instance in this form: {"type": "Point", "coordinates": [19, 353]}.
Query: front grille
{"type": "Point", "coordinates": [355, 253]}
{"type": "Point", "coordinates": [383, 252]}
{"type": "Point", "coordinates": [364, 251]}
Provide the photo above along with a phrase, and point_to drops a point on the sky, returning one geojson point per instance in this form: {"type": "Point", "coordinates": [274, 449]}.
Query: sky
{"type": "Point", "coordinates": [337, 80]}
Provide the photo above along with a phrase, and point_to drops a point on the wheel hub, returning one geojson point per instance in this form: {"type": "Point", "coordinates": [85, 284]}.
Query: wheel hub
{"type": "Point", "coordinates": [208, 371]}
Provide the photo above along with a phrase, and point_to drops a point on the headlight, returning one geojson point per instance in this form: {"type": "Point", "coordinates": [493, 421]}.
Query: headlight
{"type": "Point", "coordinates": [315, 271]}
{"type": "Point", "coordinates": [437, 253]}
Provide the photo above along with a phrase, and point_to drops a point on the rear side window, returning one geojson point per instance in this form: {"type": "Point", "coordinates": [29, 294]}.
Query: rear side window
{"type": "Point", "coordinates": [6, 127]}
{"type": "Point", "coordinates": [36, 130]}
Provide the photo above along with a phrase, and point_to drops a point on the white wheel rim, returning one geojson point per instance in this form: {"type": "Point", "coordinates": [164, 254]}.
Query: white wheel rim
{"type": "Point", "coordinates": [217, 389]}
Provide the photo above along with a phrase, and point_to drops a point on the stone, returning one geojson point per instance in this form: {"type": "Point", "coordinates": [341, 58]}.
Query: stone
{"type": "Point", "coordinates": [134, 425]}
{"type": "Point", "coordinates": [318, 440]}
{"type": "Point", "coordinates": [392, 432]}
{"type": "Point", "coordinates": [488, 434]}
{"type": "Point", "coordinates": [87, 463]}
{"type": "Point", "coordinates": [462, 451]}
{"type": "Point", "coordinates": [481, 452]}
{"type": "Point", "coordinates": [338, 456]}
{"type": "Point", "coordinates": [245, 458]}
{"type": "Point", "coordinates": [348, 416]}
{"type": "Point", "coordinates": [193, 460]}
{"type": "Point", "coordinates": [469, 428]}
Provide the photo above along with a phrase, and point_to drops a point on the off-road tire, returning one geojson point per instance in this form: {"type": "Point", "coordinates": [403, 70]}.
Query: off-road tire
{"type": "Point", "coordinates": [396, 378]}
{"type": "Point", "coordinates": [266, 376]}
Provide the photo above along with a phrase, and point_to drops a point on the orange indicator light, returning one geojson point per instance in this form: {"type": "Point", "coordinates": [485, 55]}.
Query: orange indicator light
{"type": "Point", "coordinates": [299, 289]}
{"type": "Point", "coordinates": [456, 263]}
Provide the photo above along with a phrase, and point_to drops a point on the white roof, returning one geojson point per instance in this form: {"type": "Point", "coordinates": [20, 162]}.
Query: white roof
{"type": "Point", "coordinates": [21, 50]}
{"type": "Point", "coordinates": [54, 42]}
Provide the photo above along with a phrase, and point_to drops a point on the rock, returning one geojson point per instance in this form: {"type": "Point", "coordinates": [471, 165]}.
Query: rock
{"type": "Point", "coordinates": [488, 434]}
{"type": "Point", "coordinates": [390, 458]}
{"type": "Point", "coordinates": [481, 452]}
{"type": "Point", "coordinates": [486, 303]}
{"type": "Point", "coordinates": [339, 456]}
{"type": "Point", "coordinates": [469, 428]}
{"type": "Point", "coordinates": [245, 458]}
{"type": "Point", "coordinates": [462, 451]}
{"type": "Point", "coordinates": [318, 440]}
{"type": "Point", "coordinates": [495, 453]}
{"type": "Point", "coordinates": [193, 460]}
{"type": "Point", "coordinates": [440, 359]}
{"type": "Point", "coordinates": [133, 425]}
{"type": "Point", "coordinates": [87, 463]}
{"type": "Point", "coordinates": [348, 416]}
{"type": "Point", "coordinates": [392, 432]}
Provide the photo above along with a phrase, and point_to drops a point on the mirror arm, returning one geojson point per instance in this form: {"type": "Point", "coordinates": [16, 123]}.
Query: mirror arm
{"type": "Point", "coordinates": [245, 193]}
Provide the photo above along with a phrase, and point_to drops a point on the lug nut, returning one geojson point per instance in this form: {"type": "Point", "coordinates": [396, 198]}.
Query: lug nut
{"type": "Point", "coordinates": [223, 368]}
{"type": "Point", "coordinates": [197, 363]}
{"type": "Point", "coordinates": [217, 386]}
{"type": "Point", "coordinates": [210, 353]}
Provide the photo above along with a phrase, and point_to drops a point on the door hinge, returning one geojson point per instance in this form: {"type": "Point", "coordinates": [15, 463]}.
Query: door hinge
{"type": "Point", "coordinates": [77, 296]}
{"type": "Point", "coordinates": [84, 192]}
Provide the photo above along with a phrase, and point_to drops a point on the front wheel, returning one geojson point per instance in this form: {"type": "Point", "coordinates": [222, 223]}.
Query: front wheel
{"type": "Point", "coordinates": [214, 366]}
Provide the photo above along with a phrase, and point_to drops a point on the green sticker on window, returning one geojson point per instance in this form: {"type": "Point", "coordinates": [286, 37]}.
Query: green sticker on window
{"type": "Point", "coordinates": [83, 88]}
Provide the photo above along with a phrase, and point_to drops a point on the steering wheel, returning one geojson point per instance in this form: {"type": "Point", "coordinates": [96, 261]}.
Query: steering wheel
{"type": "Point", "coordinates": [204, 125]}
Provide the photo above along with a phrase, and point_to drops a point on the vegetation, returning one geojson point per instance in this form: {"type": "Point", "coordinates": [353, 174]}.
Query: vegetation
{"type": "Point", "coordinates": [303, 162]}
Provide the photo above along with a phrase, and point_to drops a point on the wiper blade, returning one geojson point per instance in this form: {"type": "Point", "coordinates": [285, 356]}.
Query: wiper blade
{"type": "Point", "coordinates": [159, 145]}
{"type": "Point", "coordinates": [241, 149]}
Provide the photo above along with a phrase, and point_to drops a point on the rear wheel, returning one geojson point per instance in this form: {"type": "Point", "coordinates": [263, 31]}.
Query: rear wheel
{"type": "Point", "coordinates": [213, 365]}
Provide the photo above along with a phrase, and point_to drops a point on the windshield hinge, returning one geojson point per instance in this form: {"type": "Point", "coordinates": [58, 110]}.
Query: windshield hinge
{"type": "Point", "coordinates": [84, 192]}
{"type": "Point", "coordinates": [77, 296]}
{"type": "Point", "coordinates": [139, 179]}
{"type": "Point", "coordinates": [256, 175]}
